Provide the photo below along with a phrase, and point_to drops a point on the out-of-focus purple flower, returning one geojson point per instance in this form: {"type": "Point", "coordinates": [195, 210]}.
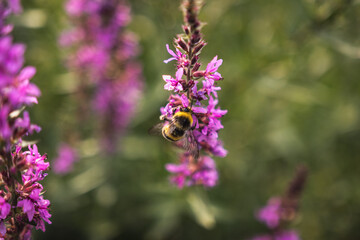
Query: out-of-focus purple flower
{"type": "Point", "coordinates": [65, 160]}
{"type": "Point", "coordinates": [270, 214]}
{"type": "Point", "coordinates": [75, 7]}
{"type": "Point", "coordinates": [287, 235]}
{"type": "Point", "coordinates": [116, 103]}
{"type": "Point", "coordinates": [104, 58]}
{"type": "Point", "coordinates": [280, 211]}
{"type": "Point", "coordinates": [15, 6]}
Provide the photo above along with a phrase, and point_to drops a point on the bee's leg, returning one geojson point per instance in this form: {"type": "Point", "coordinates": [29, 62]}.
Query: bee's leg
{"type": "Point", "coordinates": [164, 117]}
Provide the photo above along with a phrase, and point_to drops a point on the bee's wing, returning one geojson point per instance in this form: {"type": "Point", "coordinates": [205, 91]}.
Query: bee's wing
{"type": "Point", "coordinates": [190, 144]}
{"type": "Point", "coordinates": [156, 129]}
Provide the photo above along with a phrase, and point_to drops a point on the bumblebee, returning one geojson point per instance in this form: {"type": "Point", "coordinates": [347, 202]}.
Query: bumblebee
{"type": "Point", "coordinates": [179, 124]}
{"type": "Point", "coordinates": [179, 127]}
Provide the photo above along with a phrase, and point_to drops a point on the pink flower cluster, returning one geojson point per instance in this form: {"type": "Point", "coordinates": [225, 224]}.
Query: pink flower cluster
{"type": "Point", "coordinates": [30, 192]}
{"type": "Point", "coordinates": [280, 211]}
{"type": "Point", "coordinates": [195, 89]}
{"type": "Point", "coordinates": [21, 196]}
{"type": "Point", "coordinates": [104, 60]}
{"type": "Point", "coordinates": [272, 215]}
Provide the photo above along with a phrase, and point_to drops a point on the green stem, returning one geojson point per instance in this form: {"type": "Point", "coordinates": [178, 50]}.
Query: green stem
{"type": "Point", "coordinates": [12, 189]}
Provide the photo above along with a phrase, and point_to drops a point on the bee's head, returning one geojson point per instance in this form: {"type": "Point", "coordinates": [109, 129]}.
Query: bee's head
{"type": "Point", "coordinates": [185, 110]}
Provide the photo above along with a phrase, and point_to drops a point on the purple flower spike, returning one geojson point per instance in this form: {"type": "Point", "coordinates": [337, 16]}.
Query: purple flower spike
{"type": "Point", "coordinates": [104, 60]}
{"type": "Point", "coordinates": [201, 101]}
{"type": "Point", "coordinates": [280, 211]}
{"type": "Point", "coordinates": [65, 160]}
{"type": "Point", "coordinates": [287, 235]}
{"type": "Point", "coordinates": [21, 171]}
{"type": "Point", "coordinates": [270, 214]}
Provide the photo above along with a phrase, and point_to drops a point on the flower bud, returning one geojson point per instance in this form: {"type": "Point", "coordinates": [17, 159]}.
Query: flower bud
{"type": "Point", "coordinates": [196, 67]}
{"type": "Point", "coordinates": [195, 38]}
{"type": "Point", "coordinates": [198, 48]}
{"type": "Point", "coordinates": [190, 18]}
{"type": "Point", "coordinates": [199, 74]}
{"type": "Point", "coordinates": [194, 59]}
{"type": "Point", "coordinates": [186, 29]}
{"type": "Point", "coordinates": [182, 44]}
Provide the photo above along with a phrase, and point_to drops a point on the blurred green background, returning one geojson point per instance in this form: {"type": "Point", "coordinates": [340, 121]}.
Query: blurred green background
{"type": "Point", "coordinates": [291, 87]}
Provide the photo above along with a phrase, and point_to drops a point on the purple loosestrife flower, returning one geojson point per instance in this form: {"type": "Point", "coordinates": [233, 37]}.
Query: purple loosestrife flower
{"type": "Point", "coordinates": [287, 235]}
{"type": "Point", "coordinates": [65, 161]}
{"type": "Point", "coordinates": [104, 60]}
{"type": "Point", "coordinates": [21, 201]}
{"type": "Point", "coordinates": [281, 211]}
{"type": "Point", "coordinates": [270, 214]}
{"type": "Point", "coordinates": [189, 173]}
{"type": "Point", "coordinates": [201, 99]}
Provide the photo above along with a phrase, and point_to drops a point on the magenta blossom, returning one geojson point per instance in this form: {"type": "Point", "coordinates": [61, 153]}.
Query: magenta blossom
{"type": "Point", "coordinates": [34, 159]}
{"type": "Point", "coordinates": [179, 56]}
{"type": "Point", "coordinates": [287, 235]}
{"type": "Point", "coordinates": [190, 173]}
{"type": "Point", "coordinates": [174, 84]}
{"type": "Point", "coordinates": [270, 214]}
{"type": "Point", "coordinates": [211, 70]}
{"type": "Point", "coordinates": [65, 160]}
{"type": "Point", "coordinates": [5, 208]}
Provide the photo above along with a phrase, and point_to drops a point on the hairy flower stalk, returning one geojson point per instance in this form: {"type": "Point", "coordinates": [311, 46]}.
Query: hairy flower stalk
{"type": "Point", "coordinates": [195, 89]}
{"type": "Point", "coordinates": [280, 211]}
{"type": "Point", "coordinates": [104, 60]}
{"type": "Point", "coordinates": [22, 205]}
